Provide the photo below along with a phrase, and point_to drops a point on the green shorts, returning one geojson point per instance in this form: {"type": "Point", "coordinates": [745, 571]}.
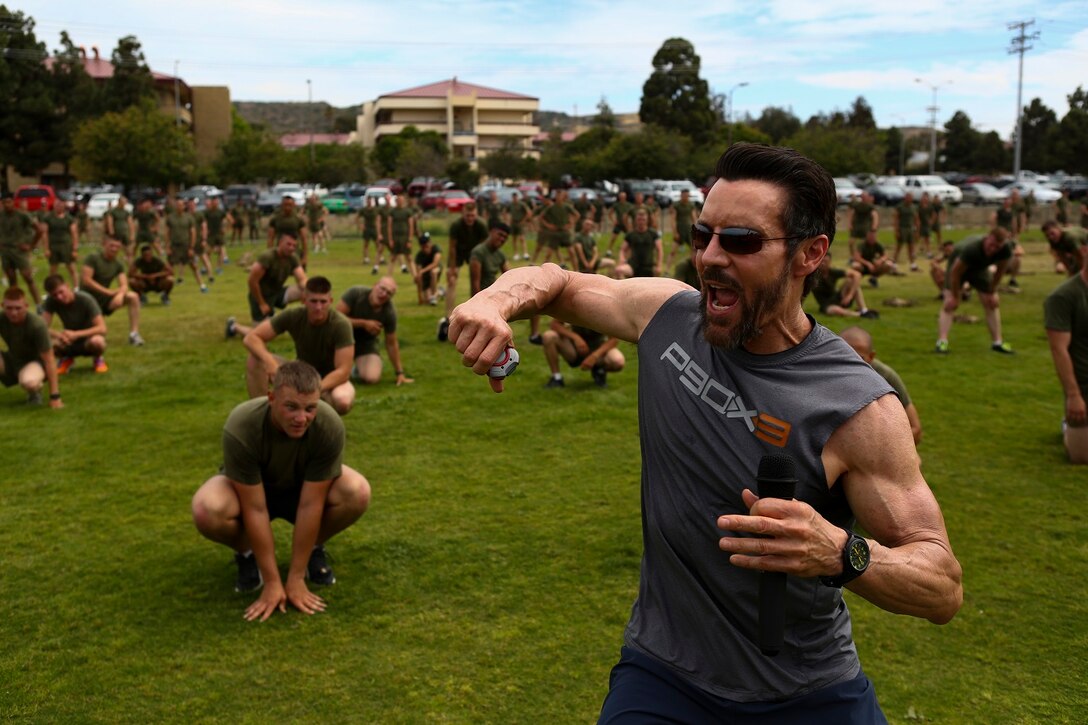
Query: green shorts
{"type": "Point", "coordinates": [982, 280]}
{"type": "Point", "coordinates": [14, 259]}
{"type": "Point", "coordinates": [179, 255]}
{"type": "Point", "coordinates": [400, 244]}
{"type": "Point", "coordinates": [10, 376]}
{"type": "Point", "coordinates": [144, 236]}
{"type": "Point", "coordinates": [906, 236]}
{"type": "Point", "coordinates": [370, 235]}
{"type": "Point", "coordinates": [515, 230]}
{"type": "Point", "coordinates": [278, 301]}
{"type": "Point", "coordinates": [61, 255]}
{"type": "Point", "coordinates": [683, 235]}
{"type": "Point", "coordinates": [562, 239]}
{"type": "Point", "coordinates": [215, 241]}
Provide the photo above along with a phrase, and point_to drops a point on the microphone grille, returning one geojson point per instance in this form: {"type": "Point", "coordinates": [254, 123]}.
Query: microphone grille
{"type": "Point", "coordinates": [776, 466]}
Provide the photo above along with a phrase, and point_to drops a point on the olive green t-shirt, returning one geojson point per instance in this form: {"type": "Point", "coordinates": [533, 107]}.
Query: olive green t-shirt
{"type": "Point", "coordinates": [973, 254]}
{"type": "Point", "coordinates": [282, 224]}
{"type": "Point", "coordinates": [120, 216]}
{"type": "Point", "coordinates": [16, 228]}
{"type": "Point", "coordinates": [643, 246]}
{"type": "Point", "coordinates": [145, 221]}
{"type": "Point", "coordinates": [315, 344]}
{"type": "Point", "coordinates": [893, 379]}
{"type": "Point", "coordinates": [214, 219]}
{"type": "Point", "coordinates": [178, 229]}
{"type": "Point", "coordinates": [104, 271]}
{"type": "Point", "coordinates": [369, 216]}
{"type": "Point", "coordinates": [1004, 218]}
{"type": "Point", "coordinates": [79, 315]}
{"type": "Point", "coordinates": [871, 251]}
{"type": "Point", "coordinates": [862, 220]}
{"type": "Point", "coordinates": [400, 217]}
{"type": "Point", "coordinates": [26, 342]}
{"type": "Point", "coordinates": [1066, 310]}
{"type": "Point", "coordinates": [589, 246]}
{"type": "Point", "coordinates": [491, 263]}
{"type": "Point", "coordinates": [59, 229]}
{"type": "Point", "coordinates": [560, 215]}
{"type": "Point", "coordinates": [1070, 241]}
{"type": "Point", "coordinates": [908, 214]}
{"type": "Point", "coordinates": [518, 212]}
{"type": "Point", "coordinates": [149, 266]}
{"type": "Point", "coordinates": [277, 270]}
{"type": "Point", "coordinates": [255, 451]}
{"type": "Point", "coordinates": [358, 301]}
{"type": "Point", "coordinates": [314, 212]}
{"type": "Point", "coordinates": [621, 210]}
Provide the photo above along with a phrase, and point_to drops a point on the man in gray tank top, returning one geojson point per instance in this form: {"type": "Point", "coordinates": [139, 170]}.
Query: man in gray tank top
{"type": "Point", "coordinates": [726, 376]}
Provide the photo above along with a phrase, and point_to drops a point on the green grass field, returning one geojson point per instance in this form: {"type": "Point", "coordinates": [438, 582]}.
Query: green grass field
{"type": "Point", "coordinates": [491, 579]}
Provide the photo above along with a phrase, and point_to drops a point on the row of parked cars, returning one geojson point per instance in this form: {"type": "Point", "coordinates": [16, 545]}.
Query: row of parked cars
{"type": "Point", "coordinates": [977, 190]}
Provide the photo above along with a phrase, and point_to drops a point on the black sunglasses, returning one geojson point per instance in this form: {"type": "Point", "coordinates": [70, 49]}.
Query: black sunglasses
{"type": "Point", "coordinates": [734, 240]}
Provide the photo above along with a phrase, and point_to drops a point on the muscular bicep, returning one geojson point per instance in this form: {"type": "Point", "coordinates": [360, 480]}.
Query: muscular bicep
{"type": "Point", "coordinates": [615, 308]}
{"type": "Point", "coordinates": [874, 459]}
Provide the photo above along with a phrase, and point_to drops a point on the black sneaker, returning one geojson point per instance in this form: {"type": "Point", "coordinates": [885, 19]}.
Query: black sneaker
{"type": "Point", "coordinates": [555, 383]}
{"type": "Point", "coordinates": [317, 569]}
{"type": "Point", "coordinates": [249, 575]}
{"type": "Point", "coordinates": [871, 315]}
{"type": "Point", "coordinates": [873, 282]}
{"type": "Point", "coordinates": [443, 330]}
{"type": "Point", "coordinates": [230, 331]}
{"type": "Point", "coordinates": [34, 398]}
{"type": "Point", "coordinates": [600, 376]}
{"type": "Point", "coordinates": [536, 339]}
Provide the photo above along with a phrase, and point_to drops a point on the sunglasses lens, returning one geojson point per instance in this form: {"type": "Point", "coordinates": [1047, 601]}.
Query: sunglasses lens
{"type": "Point", "coordinates": [700, 236]}
{"type": "Point", "coordinates": [740, 241]}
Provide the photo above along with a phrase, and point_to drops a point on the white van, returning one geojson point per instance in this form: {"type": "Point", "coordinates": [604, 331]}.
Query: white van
{"type": "Point", "coordinates": [935, 186]}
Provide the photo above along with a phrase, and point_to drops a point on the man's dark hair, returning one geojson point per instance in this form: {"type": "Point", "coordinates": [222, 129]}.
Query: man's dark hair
{"type": "Point", "coordinates": [500, 225]}
{"type": "Point", "coordinates": [14, 294]}
{"type": "Point", "coordinates": [52, 282]}
{"type": "Point", "coordinates": [318, 285]}
{"type": "Point", "coordinates": [297, 375]}
{"type": "Point", "coordinates": [145, 248]}
{"type": "Point", "coordinates": [1051, 224]}
{"type": "Point", "coordinates": [810, 191]}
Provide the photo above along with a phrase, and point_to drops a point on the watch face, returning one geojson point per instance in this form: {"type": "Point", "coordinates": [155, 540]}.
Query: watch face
{"type": "Point", "coordinates": [858, 554]}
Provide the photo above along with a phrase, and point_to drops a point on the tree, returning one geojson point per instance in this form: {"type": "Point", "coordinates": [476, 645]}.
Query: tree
{"type": "Point", "coordinates": [839, 149]}
{"type": "Point", "coordinates": [249, 154]}
{"type": "Point", "coordinates": [1073, 134]}
{"type": "Point", "coordinates": [605, 118]}
{"type": "Point", "coordinates": [992, 155]}
{"type": "Point", "coordinates": [778, 123]}
{"type": "Point", "coordinates": [131, 81]}
{"type": "Point", "coordinates": [140, 146]}
{"type": "Point", "coordinates": [387, 151]}
{"type": "Point", "coordinates": [1039, 128]}
{"type": "Point", "coordinates": [419, 158]}
{"type": "Point", "coordinates": [861, 115]}
{"type": "Point", "coordinates": [894, 150]}
{"type": "Point", "coordinates": [27, 130]}
{"type": "Point", "coordinates": [961, 142]}
{"type": "Point", "coordinates": [506, 163]}
{"type": "Point", "coordinates": [461, 173]}
{"type": "Point", "coordinates": [76, 97]}
{"type": "Point", "coordinates": [651, 153]}
{"type": "Point", "coordinates": [675, 97]}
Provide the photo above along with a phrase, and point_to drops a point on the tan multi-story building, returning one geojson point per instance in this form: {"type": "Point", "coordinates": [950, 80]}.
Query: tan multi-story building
{"type": "Point", "coordinates": [475, 120]}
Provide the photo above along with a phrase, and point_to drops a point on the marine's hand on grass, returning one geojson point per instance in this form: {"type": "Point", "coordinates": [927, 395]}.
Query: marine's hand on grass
{"type": "Point", "coordinates": [272, 598]}
{"type": "Point", "coordinates": [302, 599]}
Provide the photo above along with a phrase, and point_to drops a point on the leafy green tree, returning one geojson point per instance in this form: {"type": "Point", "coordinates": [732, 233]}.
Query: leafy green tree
{"type": "Point", "coordinates": [27, 121]}
{"type": "Point", "coordinates": [386, 152]}
{"type": "Point", "coordinates": [777, 123]}
{"type": "Point", "coordinates": [140, 146]}
{"type": "Point", "coordinates": [249, 154]}
{"type": "Point", "coordinates": [419, 158]}
{"type": "Point", "coordinates": [840, 149]}
{"type": "Point", "coordinates": [76, 97]}
{"type": "Point", "coordinates": [894, 150]}
{"type": "Point", "coordinates": [605, 118]}
{"type": "Point", "coordinates": [861, 115]}
{"type": "Point", "coordinates": [675, 98]}
{"type": "Point", "coordinates": [651, 153]}
{"type": "Point", "coordinates": [961, 141]}
{"type": "Point", "coordinates": [132, 81]}
{"type": "Point", "coordinates": [992, 156]}
{"type": "Point", "coordinates": [1073, 134]}
{"type": "Point", "coordinates": [1039, 126]}
{"type": "Point", "coordinates": [336, 164]}
{"type": "Point", "coordinates": [506, 163]}
{"type": "Point", "coordinates": [461, 173]}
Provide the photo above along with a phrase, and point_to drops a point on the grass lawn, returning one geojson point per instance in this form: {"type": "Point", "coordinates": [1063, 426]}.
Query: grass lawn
{"type": "Point", "coordinates": [492, 577]}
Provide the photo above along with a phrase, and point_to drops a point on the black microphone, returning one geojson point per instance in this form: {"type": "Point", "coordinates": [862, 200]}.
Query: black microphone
{"type": "Point", "coordinates": [775, 479]}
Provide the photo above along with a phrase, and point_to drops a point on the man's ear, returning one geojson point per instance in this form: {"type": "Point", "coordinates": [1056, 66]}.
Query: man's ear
{"type": "Point", "coordinates": [808, 256]}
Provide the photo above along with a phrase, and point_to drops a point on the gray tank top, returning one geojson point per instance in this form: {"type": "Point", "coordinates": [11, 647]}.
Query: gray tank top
{"type": "Point", "coordinates": [706, 417]}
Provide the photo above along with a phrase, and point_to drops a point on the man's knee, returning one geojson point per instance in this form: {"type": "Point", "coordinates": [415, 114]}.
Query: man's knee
{"type": "Point", "coordinates": [351, 491]}
{"type": "Point", "coordinates": [31, 377]}
{"type": "Point", "coordinates": [342, 398]}
{"type": "Point", "coordinates": [989, 301]}
{"type": "Point", "coordinates": [214, 505]}
{"type": "Point", "coordinates": [549, 338]}
{"type": "Point", "coordinates": [614, 361]}
{"type": "Point", "coordinates": [95, 345]}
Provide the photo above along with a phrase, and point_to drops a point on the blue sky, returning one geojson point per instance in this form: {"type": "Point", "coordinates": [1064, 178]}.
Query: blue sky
{"type": "Point", "coordinates": [810, 57]}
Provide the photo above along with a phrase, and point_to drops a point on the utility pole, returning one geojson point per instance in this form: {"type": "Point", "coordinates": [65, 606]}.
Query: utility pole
{"type": "Point", "coordinates": [932, 123]}
{"type": "Point", "coordinates": [1019, 47]}
{"type": "Point", "coordinates": [177, 96]}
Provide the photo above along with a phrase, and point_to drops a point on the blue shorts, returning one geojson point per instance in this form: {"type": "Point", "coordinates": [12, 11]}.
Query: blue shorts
{"type": "Point", "coordinates": [642, 690]}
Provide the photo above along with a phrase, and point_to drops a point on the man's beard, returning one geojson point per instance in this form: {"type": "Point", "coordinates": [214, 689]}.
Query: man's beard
{"type": "Point", "coordinates": [753, 312]}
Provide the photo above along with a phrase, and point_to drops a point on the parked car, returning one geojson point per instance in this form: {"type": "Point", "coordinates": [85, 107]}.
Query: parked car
{"type": "Point", "coordinates": [1043, 194]}
{"type": "Point", "coordinates": [845, 190]}
{"type": "Point", "coordinates": [292, 190]}
{"type": "Point", "coordinates": [430, 200]}
{"type": "Point", "coordinates": [200, 194]}
{"type": "Point", "coordinates": [637, 186]}
{"type": "Point", "coordinates": [355, 194]}
{"type": "Point", "coordinates": [504, 193]}
{"type": "Point", "coordinates": [336, 202]}
{"type": "Point", "coordinates": [101, 203]}
{"type": "Point", "coordinates": [422, 184]}
{"type": "Point", "coordinates": [669, 192]}
{"type": "Point", "coordinates": [453, 200]}
{"type": "Point", "coordinates": [578, 192]}
{"type": "Point", "coordinates": [315, 189]}
{"type": "Point", "coordinates": [240, 193]}
{"type": "Point", "coordinates": [935, 186]}
{"type": "Point", "coordinates": [392, 184]}
{"type": "Point", "coordinates": [34, 197]}
{"type": "Point", "coordinates": [886, 194]}
{"type": "Point", "coordinates": [380, 194]}
{"type": "Point", "coordinates": [1077, 186]}
{"type": "Point", "coordinates": [978, 193]}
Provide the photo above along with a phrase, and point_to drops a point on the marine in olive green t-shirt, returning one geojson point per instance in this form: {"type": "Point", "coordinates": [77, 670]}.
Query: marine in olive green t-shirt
{"type": "Point", "coordinates": [357, 300]}
{"type": "Point", "coordinates": [315, 344]}
{"type": "Point", "coordinates": [1066, 310]}
{"type": "Point", "coordinates": [26, 344]}
{"type": "Point", "coordinates": [80, 314]}
{"type": "Point", "coordinates": [103, 271]}
{"type": "Point", "coordinates": [491, 262]}
{"type": "Point", "coordinates": [256, 452]}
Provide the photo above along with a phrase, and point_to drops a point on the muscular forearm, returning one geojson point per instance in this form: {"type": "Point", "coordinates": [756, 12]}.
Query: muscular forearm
{"type": "Point", "coordinates": [1063, 365]}
{"type": "Point", "coordinates": [307, 526]}
{"type": "Point", "coordinates": [526, 291]}
{"type": "Point", "coordinates": [920, 579]}
{"type": "Point", "coordinates": [258, 528]}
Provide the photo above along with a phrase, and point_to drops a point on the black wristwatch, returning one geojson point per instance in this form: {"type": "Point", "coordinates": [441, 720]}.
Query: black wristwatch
{"type": "Point", "coordinates": [855, 560]}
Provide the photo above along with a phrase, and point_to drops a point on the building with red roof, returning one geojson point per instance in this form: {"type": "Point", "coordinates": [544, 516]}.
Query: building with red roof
{"type": "Point", "coordinates": [475, 120]}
